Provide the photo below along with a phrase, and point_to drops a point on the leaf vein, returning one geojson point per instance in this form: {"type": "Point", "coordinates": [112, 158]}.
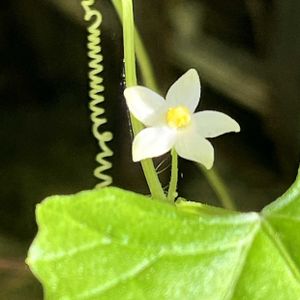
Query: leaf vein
{"type": "Point", "coordinates": [279, 245]}
{"type": "Point", "coordinates": [229, 294]}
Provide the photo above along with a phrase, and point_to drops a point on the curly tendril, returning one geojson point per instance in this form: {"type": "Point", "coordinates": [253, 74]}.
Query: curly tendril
{"type": "Point", "coordinates": [94, 17]}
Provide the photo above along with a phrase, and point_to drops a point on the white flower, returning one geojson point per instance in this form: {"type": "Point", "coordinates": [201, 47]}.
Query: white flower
{"type": "Point", "coordinates": [173, 123]}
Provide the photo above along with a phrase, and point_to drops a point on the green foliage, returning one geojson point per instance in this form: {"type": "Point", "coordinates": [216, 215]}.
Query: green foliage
{"type": "Point", "coordinates": [115, 244]}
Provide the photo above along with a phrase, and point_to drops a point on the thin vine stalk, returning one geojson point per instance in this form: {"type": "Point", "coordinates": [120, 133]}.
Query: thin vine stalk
{"type": "Point", "coordinates": [172, 192]}
{"type": "Point", "coordinates": [131, 80]}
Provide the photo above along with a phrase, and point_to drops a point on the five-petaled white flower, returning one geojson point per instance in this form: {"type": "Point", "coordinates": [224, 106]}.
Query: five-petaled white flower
{"type": "Point", "coordinates": [173, 123]}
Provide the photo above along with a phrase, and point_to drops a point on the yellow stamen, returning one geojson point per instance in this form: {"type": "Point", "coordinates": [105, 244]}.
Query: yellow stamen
{"type": "Point", "coordinates": [178, 117]}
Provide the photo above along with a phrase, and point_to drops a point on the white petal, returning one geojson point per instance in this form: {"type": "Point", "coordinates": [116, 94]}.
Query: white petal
{"type": "Point", "coordinates": [192, 146]}
{"type": "Point", "coordinates": [210, 123]}
{"type": "Point", "coordinates": [146, 105]}
{"type": "Point", "coordinates": [153, 142]}
{"type": "Point", "coordinates": [185, 91]}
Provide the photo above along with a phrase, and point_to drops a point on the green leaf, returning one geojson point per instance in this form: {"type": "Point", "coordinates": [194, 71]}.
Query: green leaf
{"type": "Point", "coordinates": [114, 244]}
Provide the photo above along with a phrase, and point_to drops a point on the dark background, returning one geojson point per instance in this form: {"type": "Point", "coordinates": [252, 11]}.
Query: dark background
{"type": "Point", "coordinates": [247, 54]}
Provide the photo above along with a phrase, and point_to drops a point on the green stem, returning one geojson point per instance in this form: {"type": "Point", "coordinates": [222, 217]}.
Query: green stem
{"type": "Point", "coordinates": [172, 193]}
{"type": "Point", "coordinates": [131, 80]}
{"type": "Point", "coordinates": [145, 64]}
{"type": "Point", "coordinates": [219, 187]}
{"type": "Point", "coordinates": [141, 53]}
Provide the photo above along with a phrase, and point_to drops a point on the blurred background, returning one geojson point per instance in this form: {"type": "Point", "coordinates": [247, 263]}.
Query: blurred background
{"type": "Point", "coordinates": [247, 53]}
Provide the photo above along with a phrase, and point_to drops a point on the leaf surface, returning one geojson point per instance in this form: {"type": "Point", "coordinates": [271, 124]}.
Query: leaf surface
{"type": "Point", "coordinates": [115, 244]}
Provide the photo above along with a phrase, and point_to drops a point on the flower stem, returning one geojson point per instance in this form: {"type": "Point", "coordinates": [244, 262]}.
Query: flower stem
{"type": "Point", "coordinates": [219, 187]}
{"type": "Point", "coordinates": [145, 64]}
{"type": "Point", "coordinates": [141, 53]}
{"type": "Point", "coordinates": [130, 76]}
{"type": "Point", "coordinates": [172, 192]}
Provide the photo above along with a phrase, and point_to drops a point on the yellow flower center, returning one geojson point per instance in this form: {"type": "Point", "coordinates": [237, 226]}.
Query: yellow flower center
{"type": "Point", "coordinates": [178, 116]}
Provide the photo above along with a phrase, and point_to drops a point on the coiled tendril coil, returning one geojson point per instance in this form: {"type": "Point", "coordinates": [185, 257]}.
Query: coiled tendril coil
{"type": "Point", "coordinates": [94, 17]}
